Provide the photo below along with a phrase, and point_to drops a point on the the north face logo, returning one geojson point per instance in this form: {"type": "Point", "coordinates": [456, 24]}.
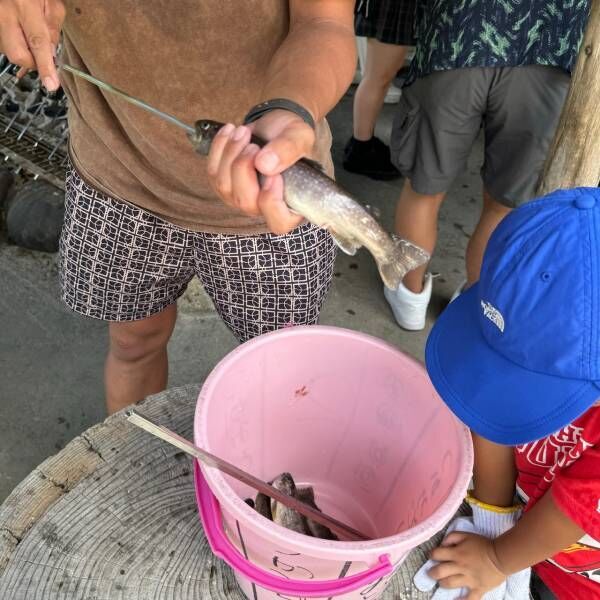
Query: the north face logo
{"type": "Point", "coordinates": [493, 314]}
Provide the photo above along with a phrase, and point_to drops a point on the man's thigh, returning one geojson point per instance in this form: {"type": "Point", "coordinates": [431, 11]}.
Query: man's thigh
{"type": "Point", "coordinates": [260, 283]}
{"type": "Point", "coordinates": [118, 262]}
{"type": "Point", "coordinates": [523, 111]}
{"type": "Point", "coordinates": [437, 120]}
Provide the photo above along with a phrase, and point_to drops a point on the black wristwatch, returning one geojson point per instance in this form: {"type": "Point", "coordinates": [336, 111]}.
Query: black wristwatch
{"type": "Point", "coordinates": [278, 104]}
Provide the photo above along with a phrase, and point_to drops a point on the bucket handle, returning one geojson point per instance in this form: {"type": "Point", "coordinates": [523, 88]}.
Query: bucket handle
{"type": "Point", "coordinates": [210, 514]}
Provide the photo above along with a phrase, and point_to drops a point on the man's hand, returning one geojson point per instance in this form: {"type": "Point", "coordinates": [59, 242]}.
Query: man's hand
{"type": "Point", "coordinates": [467, 561]}
{"type": "Point", "coordinates": [29, 34]}
{"type": "Point", "coordinates": [233, 163]}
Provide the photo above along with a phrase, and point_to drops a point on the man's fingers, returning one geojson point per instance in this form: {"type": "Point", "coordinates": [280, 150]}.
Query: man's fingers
{"type": "Point", "coordinates": [37, 36]}
{"type": "Point", "coordinates": [244, 181]}
{"type": "Point", "coordinates": [217, 147]}
{"type": "Point", "coordinates": [55, 13]}
{"type": "Point", "coordinates": [274, 209]}
{"type": "Point", "coordinates": [14, 45]}
{"type": "Point", "coordinates": [287, 148]}
{"type": "Point", "coordinates": [221, 171]}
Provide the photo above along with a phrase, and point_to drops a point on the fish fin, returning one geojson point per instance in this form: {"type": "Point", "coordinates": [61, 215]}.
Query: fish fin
{"type": "Point", "coordinates": [306, 495]}
{"type": "Point", "coordinates": [406, 257]}
{"type": "Point", "coordinates": [314, 164]}
{"type": "Point", "coordinates": [345, 244]}
{"type": "Point", "coordinates": [374, 211]}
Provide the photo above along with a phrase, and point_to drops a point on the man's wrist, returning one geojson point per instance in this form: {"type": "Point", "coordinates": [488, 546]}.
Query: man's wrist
{"type": "Point", "coordinates": [256, 112]}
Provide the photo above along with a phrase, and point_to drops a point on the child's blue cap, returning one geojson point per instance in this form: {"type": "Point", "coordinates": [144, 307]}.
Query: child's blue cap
{"type": "Point", "coordinates": [517, 356]}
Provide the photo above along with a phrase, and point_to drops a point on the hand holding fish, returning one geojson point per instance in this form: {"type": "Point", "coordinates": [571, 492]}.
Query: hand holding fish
{"type": "Point", "coordinates": [309, 192]}
{"type": "Point", "coordinates": [234, 161]}
{"type": "Point", "coordinates": [29, 34]}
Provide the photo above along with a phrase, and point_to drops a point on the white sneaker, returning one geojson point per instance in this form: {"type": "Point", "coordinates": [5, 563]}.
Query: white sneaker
{"type": "Point", "coordinates": [409, 308]}
{"type": "Point", "coordinates": [459, 290]}
{"type": "Point", "coordinates": [393, 95]}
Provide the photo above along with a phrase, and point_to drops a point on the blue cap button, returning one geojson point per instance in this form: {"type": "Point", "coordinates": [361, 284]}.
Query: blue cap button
{"type": "Point", "coordinates": [585, 201]}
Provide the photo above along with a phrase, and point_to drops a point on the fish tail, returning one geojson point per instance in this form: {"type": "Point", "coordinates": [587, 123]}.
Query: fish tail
{"type": "Point", "coordinates": [405, 257]}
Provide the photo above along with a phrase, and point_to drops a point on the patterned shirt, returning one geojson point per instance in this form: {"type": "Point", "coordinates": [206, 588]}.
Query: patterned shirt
{"type": "Point", "coordinates": [567, 465]}
{"type": "Point", "coordinates": [453, 34]}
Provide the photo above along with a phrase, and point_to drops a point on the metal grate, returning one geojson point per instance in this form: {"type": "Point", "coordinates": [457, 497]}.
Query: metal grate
{"type": "Point", "coordinates": [33, 126]}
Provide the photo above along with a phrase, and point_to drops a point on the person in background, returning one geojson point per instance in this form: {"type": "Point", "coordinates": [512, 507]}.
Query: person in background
{"type": "Point", "coordinates": [388, 27]}
{"type": "Point", "coordinates": [144, 214]}
{"type": "Point", "coordinates": [503, 66]}
{"type": "Point", "coordinates": [516, 357]}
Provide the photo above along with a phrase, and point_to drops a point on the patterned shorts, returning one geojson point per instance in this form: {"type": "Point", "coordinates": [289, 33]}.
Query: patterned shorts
{"type": "Point", "coordinates": [121, 263]}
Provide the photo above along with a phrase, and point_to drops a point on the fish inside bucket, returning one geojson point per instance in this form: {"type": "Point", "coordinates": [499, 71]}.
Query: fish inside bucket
{"type": "Point", "coordinates": [349, 416]}
{"type": "Point", "coordinates": [288, 517]}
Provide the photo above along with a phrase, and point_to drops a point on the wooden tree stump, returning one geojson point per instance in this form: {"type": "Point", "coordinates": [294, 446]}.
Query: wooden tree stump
{"type": "Point", "coordinates": [574, 157]}
{"type": "Point", "coordinates": [113, 517]}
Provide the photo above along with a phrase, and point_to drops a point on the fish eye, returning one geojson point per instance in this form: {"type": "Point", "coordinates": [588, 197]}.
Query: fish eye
{"type": "Point", "coordinates": [205, 126]}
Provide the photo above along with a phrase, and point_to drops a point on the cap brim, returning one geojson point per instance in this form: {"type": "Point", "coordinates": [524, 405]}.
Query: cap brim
{"type": "Point", "coordinates": [494, 397]}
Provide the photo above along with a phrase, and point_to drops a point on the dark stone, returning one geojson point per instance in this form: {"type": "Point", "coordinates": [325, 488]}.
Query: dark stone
{"type": "Point", "coordinates": [34, 216]}
{"type": "Point", "coordinates": [6, 181]}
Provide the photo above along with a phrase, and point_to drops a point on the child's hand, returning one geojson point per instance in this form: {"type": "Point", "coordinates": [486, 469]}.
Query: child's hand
{"type": "Point", "coordinates": [467, 561]}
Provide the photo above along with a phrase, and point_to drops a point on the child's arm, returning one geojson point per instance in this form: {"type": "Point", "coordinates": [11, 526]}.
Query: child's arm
{"type": "Point", "coordinates": [541, 533]}
{"type": "Point", "coordinates": [494, 472]}
{"type": "Point", "coordinates": [481, 564]}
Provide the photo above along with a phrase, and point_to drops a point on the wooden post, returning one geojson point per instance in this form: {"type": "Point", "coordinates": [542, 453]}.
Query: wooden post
{"type": "Point", "coordinates": [574, 157]}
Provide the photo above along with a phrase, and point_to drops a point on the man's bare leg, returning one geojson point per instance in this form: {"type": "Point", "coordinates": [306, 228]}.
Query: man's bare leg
{"type": "Point", "coordinates": [417, 222]}
{"type": "Point", "coordinates": [137, 363]}
{"type": "Point", "coordinates": [492, 213]}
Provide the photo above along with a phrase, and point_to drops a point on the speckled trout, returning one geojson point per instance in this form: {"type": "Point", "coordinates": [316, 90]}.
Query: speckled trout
{"type": "Point", "coordinates": [309, 192]}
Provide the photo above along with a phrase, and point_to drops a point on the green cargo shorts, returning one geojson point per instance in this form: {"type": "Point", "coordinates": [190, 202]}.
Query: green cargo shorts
{"type": "Point", "coordinates": [440, 115]}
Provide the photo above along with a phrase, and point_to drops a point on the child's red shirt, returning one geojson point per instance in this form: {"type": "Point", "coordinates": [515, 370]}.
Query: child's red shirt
{"type": "Point", "coordinates": [568, 464]}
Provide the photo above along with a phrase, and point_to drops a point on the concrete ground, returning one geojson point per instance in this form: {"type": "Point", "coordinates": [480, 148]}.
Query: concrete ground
{"type": "Point", "coordinates": [52, 360]}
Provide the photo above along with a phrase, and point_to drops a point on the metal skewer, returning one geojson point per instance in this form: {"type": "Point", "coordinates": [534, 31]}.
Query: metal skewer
{"type": "Point", "coordinates": [213, 461]}
{"type": "Point", "coordinates": [136, 101]}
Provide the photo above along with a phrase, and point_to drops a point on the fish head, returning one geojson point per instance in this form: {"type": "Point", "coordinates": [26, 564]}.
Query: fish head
{"type": "Point", "coordinates": [283, 515]}
{"type": "Point", "coordinates": [204, 134]}
{"type": "Point", "coordinates": [285, 483]}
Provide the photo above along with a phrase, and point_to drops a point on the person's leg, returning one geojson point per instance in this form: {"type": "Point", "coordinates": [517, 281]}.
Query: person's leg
{"type": "Point", "coordinates": [437, 121]}
{"type": "Point", "coordinates": [123, 265]}
{"type": "Point", "coordinates": [137, 363]}
{"type": "Point", "coordinates": [491, 214]}
{"type": "Point", "coordinates": [364, 153]}
{"type": "Point", "coordinates": [416, 221]}
{"type": "Point", "coordinates": [260, 283]}
{"type": "Point", "coordinates": [382, 63]}
{"type": "Point", "coordinates": [523, 109]}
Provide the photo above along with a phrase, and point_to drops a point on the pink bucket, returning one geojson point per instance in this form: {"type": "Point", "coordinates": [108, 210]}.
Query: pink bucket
{"type": "Point", "coordinates": [353, 417]}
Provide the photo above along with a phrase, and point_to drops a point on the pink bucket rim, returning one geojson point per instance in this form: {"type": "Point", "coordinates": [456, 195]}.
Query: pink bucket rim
{"type": "Point", "coordinates": [326, 548]}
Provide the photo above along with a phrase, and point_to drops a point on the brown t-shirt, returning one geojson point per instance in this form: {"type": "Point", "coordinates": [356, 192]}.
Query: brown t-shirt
{"type": "Point", "coordinates": [191, 58]}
